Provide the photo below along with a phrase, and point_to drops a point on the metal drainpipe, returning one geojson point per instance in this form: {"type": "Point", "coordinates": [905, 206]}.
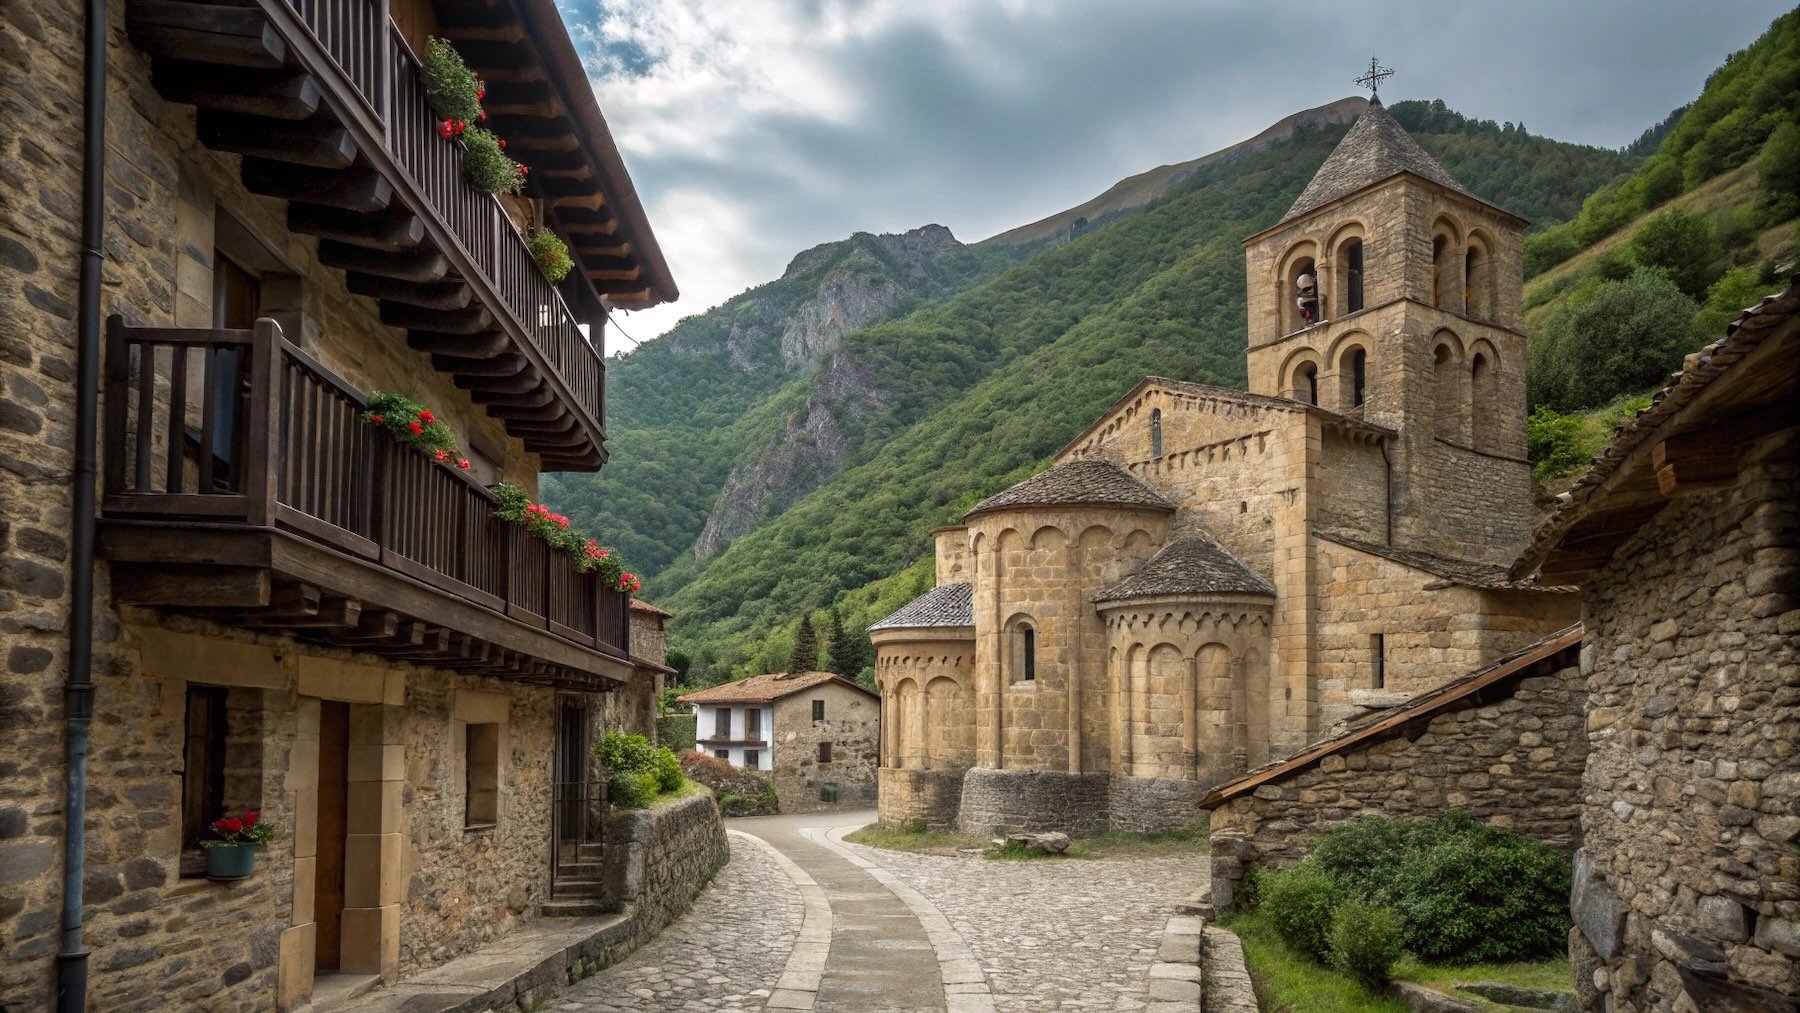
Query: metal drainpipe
{"type": "Point", "coordinates": [1387, 490]}
{"type": "Point", "coordinates": [78, 693]}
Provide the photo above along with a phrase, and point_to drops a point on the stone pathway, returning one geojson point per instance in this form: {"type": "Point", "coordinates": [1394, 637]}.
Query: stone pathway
{"type": "Point", "coordinates": [890, 932]}
{"type": "Point", "coordinates": [724, 956]}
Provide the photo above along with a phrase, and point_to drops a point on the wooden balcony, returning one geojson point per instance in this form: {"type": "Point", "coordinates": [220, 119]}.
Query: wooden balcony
{"type": "Point", "coordinates": [242, 485]}
{"type": "Point", "coordinates": [325, 102]}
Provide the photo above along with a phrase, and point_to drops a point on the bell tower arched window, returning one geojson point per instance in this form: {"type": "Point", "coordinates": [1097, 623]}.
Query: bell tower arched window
{"type": "Point", "coordinates": [1359, 376]}
{"type": "Point", "coordinates": [1306, 383]}
{"type": "Point", "coordinates": [1155, 433]}
{"type": "Point", "coordinates": [1350, 256]}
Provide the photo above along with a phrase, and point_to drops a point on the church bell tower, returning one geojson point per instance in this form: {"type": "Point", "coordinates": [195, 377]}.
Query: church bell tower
{"type": "Point", "coordinates": [1390, 294]}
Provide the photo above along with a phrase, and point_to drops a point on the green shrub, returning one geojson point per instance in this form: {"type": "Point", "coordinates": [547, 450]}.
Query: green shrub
{"type": "Point", "coordinates": [486, 166]}
{"type": "Point", "coordinates": [1554, 444]}
{"type": "Point", "coordinates": [668, 770]}
{"type": "Point", "coordinates": [1550, 247]}
{"type": "Point", "coordinates": [1300, 901]}
{"type": "Point", "coordinates": [1617, 336]}
{"type": "Point", "coordinates": [631, 790]}
{"type": "Point", "coordinates": [1365, 942]}
{"type": "Point", "coordinates": [1682, 244]}
{"type": "Point", "coordinates": [1778, 170]}
{"type": "Point", "coordinates": [452, 89]}
{"type": "Point", "coordinates": [621, 753]}
{"type": "Point", "coordinates": [1464, 892]}
{"type": "Point", "coordinates": [550, 252]}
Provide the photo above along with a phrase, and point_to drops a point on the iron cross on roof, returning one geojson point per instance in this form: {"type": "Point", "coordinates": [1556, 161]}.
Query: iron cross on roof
{"type": "Point", "coordinates": [1377, 74]}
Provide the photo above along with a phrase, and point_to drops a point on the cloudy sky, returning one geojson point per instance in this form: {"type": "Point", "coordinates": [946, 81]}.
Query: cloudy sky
{"type": "Point", "coordinates": [757, 128]}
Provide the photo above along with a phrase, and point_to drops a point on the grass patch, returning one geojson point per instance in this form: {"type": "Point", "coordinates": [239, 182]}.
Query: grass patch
{"type": "Point", "coordinates": [1121, 844]}
{"type": "Point", "coordinates": [1287, 981]}
{"type": "Point", "coordinates": [914, 838]}
{"type": "Point", "coordinates": [1021, 853]}
{"type": "Point", "coordinates": [688, 789]}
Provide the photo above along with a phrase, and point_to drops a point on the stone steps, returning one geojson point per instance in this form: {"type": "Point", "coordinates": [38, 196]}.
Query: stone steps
{"type": "Point", "coordinates": [1174, 981]}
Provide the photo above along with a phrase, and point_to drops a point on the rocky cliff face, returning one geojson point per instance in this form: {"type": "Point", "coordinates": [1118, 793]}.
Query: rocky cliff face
{"type": "Point", "coordinates": [809, 450]}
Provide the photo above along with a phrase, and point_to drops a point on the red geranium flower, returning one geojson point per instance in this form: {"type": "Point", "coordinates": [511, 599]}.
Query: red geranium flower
{"type": "Point", "coordinates": [251, 818]}
{"type": "Point", "coordinates": [446, 129]}
{"type": "Point", "coordinates": [417, 430]}
{"type": "Point", "coordinates": [229, 825]}
{"type": "Point", "coordinates": [442, 455]}
{"type": "Point", "coordinates": [376, 420]}
{"type": "Point", "coordinates": [463, 463]}
{"type": "Point", "coordinates": [426, 416]}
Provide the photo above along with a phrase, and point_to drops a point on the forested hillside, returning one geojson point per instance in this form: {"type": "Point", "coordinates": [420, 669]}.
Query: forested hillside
{"type": "Point", "coordinates": [957, 400]}
{"type": "Point", "coordinates": [1658, 261]}
{"type": "Point", "coordinates": [683, 409]}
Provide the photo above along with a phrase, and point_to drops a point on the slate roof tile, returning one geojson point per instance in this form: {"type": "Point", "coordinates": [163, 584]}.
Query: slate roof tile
{"type": "Point", "coordinates": [1078, 483]}
{"type": "Point", "coordinates": [1191, 565]}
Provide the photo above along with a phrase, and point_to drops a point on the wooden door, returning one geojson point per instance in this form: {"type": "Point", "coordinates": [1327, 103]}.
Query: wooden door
{"type": "Point", "coordinates": [334, 797]}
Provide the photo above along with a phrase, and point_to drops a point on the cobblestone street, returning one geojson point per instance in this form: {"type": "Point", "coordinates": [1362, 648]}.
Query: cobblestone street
{"type": "Point", "coordinates": [906, 932]}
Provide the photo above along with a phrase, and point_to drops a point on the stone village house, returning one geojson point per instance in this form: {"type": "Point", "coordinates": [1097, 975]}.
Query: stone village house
{"type": "Point", "coordinates": [1207, 578]}
{"type": "Point", "coordinates": [815, 733]}
{"type": "Point", "coordinates": [290, 611]}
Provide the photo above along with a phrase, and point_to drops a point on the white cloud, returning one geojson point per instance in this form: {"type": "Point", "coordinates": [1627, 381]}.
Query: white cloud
{"type": "Point", "coordinates": [757, 128]}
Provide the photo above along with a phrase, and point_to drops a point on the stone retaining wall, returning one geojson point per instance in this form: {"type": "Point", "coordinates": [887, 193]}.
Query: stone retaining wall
{"type": "Point", "coordinates": [1145, 804]}
{"type": "Point", "coordinates": [1032, 800]}
{"type": "Point", "coordinates": [658, 860]}
{"type": "Point", "coordinates": [1514, 762]}
{"type": "Point", "coordinates": [932, 797]}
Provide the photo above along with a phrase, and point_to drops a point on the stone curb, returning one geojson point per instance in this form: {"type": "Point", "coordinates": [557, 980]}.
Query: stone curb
{"type": "Point", "coordinates": [1174, 982]}
{"type": "Point", "coordinates": [1228, 986]}
{"type": "Point", "coordinates": [966, 988]}
{"type": "Point", "coordinates": [798, 988]}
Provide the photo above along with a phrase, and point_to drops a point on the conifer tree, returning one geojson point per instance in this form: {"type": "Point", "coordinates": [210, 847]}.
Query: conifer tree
{"type": "Point", "coordinates": [835, 646]}
{"type": "Point", "coordinates": [806, 647]}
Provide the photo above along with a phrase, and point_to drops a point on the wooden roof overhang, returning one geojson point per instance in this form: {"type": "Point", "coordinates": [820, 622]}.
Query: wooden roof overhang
{"type": "Point", "coordinates": [275, 581]}
{"type": "Point", "coordinates": [1691, 439]}
{"type": "Point", "coordinates": [439, 257]}
{"type": "Point", "coordinates": [540, 99]}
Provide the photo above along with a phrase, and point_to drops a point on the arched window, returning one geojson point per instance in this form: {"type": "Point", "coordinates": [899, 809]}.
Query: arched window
{"type": "Point", "coordinates": [1350, 257]}
{"type": "Point", "coordinates": [1440, 248]}
{"type": "Point", "coordinates": [1446, 390]}
{"type": "Point", "coordinates": [1306, 383]}
{"type": "Point", "coordinates": [1481, 394]}
{"type": "Point", "coordinates": [1299, 295]}
{"type": "Point", "coordinates": [1024, 652]}
{"type": "Point", "coordinates": [1475, 283]}
{"type": "Point", "coordinates": [1359, 376]}
{"type": "Point", "coordinates": [1155, 433]}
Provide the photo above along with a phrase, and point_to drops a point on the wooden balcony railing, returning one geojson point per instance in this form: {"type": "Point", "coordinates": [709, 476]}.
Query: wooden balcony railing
{"type": "Point", "coordinates": [385, 74]}
{"type": "Point", "coordinates": [242, 427]}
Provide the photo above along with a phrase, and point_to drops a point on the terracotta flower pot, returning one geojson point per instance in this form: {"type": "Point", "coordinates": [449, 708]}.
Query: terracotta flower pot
{"type": "Point", "coordinates": [228, 862]}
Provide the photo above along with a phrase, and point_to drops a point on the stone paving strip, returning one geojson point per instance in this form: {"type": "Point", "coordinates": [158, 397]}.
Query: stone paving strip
{"type": "Point", "coordinates": [798, 987]}
{"type": "Point", "coordinates": [1174, 982]}
{"type": "Point", "coordinates": [965, 986]}
{"type": "Point", "coordinates": [1055, 934]}
{"type": "Point", "coordinates": [725, 955]}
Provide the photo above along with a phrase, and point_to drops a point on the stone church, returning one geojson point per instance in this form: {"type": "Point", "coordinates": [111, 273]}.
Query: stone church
{"type": "Point", "coordinates": [1209, 578]}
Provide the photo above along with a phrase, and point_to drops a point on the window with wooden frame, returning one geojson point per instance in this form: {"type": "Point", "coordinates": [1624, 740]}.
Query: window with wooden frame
{"type": "Point", "coordinates": [203, 767]}
{"type": "Point", "coordinates": [481, 759]}
{"type": "Point", "coordinates": [818, 710]}
{"type": "Point", "coordinates": [824, 752]}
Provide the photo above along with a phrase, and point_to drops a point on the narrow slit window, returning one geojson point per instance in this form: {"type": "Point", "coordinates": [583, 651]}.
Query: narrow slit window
{"type": "Point", "coordinates": [1378, 660]}
{"type": "Point", "coordinates": [1359, 376]}
{"type": "Point", "coordinates": [1029, 648]}
{"type": "Point", "coordinates": [1155, 433]}
{"type": "Point", "coordinates": [481, 753]}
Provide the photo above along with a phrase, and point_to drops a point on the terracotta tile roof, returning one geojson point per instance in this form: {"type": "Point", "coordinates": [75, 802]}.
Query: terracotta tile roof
{"type": "Point", "coordinates": [1375, 148]}
{"type": "Point", "coordinates": [1461, 572]}
{"type": "Point", "coordinates": [947, 605]}
{"type": "Point", "coordinates": [1556, 651]}
{"type": "Point", "coordinates": [1078, 483]}
{"type": "Point", "coordinates": [1609, 484]}
{"type": "Point", "coordinates": [766, 688]}
{"type": "Point", "coordinates": [1191, 565]}
{"type": "Point", "coordinates": [639, 605]}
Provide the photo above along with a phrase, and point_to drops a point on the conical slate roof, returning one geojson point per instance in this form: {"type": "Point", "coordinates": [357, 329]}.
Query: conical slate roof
{"type": "Point", "coordinates": [1375, 148]}
{"type": "Point", "coordinates": [1193, 564]}
{"type": "Point", "coordinates": [944, 605]}
{"type": "Point", "coordinates": [1078, 483]}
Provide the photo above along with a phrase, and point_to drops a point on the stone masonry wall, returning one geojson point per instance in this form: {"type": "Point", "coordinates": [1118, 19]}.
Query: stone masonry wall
{"type": "Point", "coordinates": [996, 801]}
{"type": "Point", "coordinates": [852, 729]}
{"type": "Point", "coordinates": [1513, 762]}
{"type": "Point", "coordinates": [931, 797]}
{"type": "Point", "coordinates": [659, 859]}
{"type": "Point", "coordinates": [1691, 815]}
{"type": "Point", "coordinates": [1429, 636]}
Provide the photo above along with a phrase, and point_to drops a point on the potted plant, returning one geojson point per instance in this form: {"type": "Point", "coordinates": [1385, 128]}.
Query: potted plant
{"type": "Point", "coordinates": [233, 855]}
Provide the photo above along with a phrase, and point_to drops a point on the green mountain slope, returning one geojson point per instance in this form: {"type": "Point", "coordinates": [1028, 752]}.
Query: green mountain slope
{"type": "Point", "coordinates": [957, 400]}
{"type": "Point", "coordinates": [683, 409]}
